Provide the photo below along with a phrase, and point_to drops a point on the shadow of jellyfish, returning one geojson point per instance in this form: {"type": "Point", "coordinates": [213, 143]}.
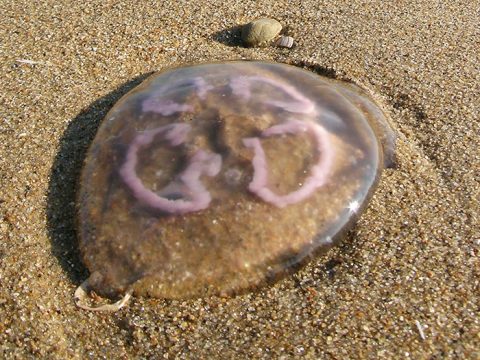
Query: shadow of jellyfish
{"type": "Point", "coordinates": [64, 176]}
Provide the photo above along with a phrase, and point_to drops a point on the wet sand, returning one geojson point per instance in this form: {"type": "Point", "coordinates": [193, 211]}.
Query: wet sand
{"type": "Point", "coordinates": [404, 283]}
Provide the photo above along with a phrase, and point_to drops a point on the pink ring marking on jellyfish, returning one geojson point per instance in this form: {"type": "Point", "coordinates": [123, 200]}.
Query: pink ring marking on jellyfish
{"type": "Point", "coordinates": [187, 183]}
{"type": "Point", "coordinates": [240, 86]}
{"type": "Point", "coordinates": [168, 107]}
{"type": "Point", "coordinates": [202, 87]}
{"type": "Point", "coordinates": [164, 106]}
{"type": "Point", "coordinates": [319, 172]}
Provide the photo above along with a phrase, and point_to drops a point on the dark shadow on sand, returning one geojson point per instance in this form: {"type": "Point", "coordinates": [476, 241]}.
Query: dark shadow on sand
{"type": "Point", "coordinates": [64, 176]}
{"type": "Point", "coordinates": [229, 37]}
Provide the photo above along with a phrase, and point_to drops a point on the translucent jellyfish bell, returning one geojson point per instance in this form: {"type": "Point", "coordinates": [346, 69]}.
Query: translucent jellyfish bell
{"type": "Point", "coordinates": [218, 178]}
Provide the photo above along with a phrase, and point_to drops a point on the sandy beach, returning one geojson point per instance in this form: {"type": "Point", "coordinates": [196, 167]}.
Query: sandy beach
{"type": "Point", "coordinates": [404, 284]}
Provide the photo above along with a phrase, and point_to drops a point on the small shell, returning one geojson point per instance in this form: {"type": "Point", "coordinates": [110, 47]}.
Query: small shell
{"type": "Point", "coordinates": [285, 42]}
{"type": "Point", "coordinates": [260, 31]}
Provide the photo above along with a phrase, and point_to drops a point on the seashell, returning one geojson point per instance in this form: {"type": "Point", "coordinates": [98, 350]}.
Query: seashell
{"type": "Point", "coordinates": [284, 41]}
{"type": "Point", "coordinates": [260, 32]}
{"type": "Point", "coordinates": [220, 178]}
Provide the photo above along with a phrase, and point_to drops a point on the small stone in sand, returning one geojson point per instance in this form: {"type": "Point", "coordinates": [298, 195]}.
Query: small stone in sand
{"type": "Point", "coordinates": [260, 32]}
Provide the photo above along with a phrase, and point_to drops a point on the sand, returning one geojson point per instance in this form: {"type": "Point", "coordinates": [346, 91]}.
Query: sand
{"type": "Point", "coordinates": [404, 283]}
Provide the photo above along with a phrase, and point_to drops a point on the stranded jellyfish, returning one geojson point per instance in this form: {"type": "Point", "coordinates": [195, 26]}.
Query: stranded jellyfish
{"type": "Point", "coordinates": [218, 178]}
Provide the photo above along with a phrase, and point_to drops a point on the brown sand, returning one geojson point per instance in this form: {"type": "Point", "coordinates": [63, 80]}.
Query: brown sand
{"type": "Point", "coordinates": [405, 283]}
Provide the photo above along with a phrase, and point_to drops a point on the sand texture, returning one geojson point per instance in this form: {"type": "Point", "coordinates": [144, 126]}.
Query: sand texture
{"type": "Point", "coordinates": [404, 283]}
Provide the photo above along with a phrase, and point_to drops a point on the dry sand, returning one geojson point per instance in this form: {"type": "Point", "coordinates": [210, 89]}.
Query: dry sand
{"type": "Point", "coordinates": [404, 284]}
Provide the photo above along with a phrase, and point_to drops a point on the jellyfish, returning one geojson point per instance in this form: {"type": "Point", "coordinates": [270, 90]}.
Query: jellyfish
{"type": "Point", "coordinates": [216, 179]}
